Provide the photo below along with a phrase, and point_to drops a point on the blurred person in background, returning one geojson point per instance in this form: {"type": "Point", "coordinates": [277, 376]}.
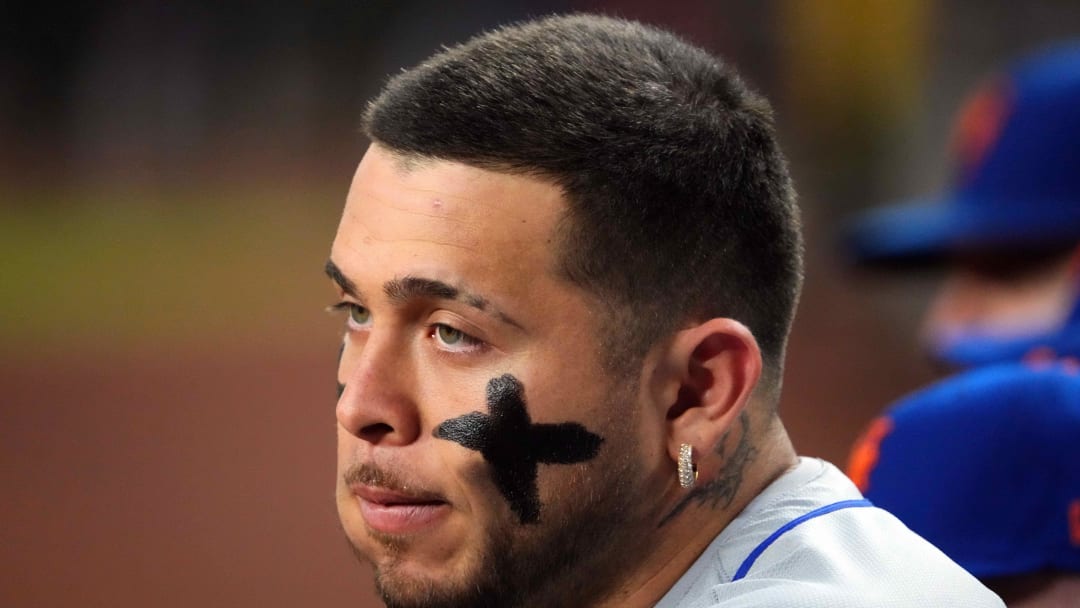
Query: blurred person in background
{"type": "Point", "coordinates": [568, 264]}
{"type": "Point", "coordinates": [986, 465]}
{"type": "Point", "coordinates": [1008, 229]}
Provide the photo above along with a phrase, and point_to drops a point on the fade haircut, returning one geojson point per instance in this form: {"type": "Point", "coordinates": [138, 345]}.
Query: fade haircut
{"type": "Point", "coordinates": [680, 207]}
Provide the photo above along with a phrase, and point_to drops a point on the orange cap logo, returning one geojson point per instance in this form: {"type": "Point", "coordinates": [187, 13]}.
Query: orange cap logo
{"type": "Point", "coordinates": [865, 452]}
{"type": "Point", "coordinates": [979, 125]}
{"type": "Point", "coordinates": [1074, 522]}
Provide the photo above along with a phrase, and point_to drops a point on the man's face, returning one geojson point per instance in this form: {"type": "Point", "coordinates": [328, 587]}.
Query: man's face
{"type": "Point", "coordinates": [447, 275]}
{"type": "Point", "coordinates": [1001, 296]}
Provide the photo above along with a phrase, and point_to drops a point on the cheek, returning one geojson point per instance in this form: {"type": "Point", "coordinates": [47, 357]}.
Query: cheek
{"type": "Point", "coordinates": [564, 390]}
{"type": "Point", "coordinates": [612, 481]}
{"type": "Point", "coordinates": [443, 392]}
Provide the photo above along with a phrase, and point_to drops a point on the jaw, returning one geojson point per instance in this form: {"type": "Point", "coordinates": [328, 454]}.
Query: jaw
{"type": "Point", "coordinates": [577, 551]}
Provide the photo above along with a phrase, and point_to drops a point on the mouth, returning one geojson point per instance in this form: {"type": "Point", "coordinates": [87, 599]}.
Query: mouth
{"type": "Point", "coordinates": [395, 512]}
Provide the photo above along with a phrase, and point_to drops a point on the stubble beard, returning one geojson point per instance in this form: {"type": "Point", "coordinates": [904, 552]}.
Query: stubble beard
{"type": "Point", "coordinates": [573, 558]}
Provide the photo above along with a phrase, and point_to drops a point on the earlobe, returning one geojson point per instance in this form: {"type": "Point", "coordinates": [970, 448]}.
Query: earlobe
{"type": "Point", "coordinates": [1074, 264]}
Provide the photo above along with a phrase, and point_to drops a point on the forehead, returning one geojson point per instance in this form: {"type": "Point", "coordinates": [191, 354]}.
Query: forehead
{"type": "Point", "coordinates": [448, 221]}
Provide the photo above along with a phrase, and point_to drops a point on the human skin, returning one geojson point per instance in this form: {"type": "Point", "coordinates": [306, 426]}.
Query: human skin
{"type": "Point", "coordinates": [515, 447]}
{"type": "Point", "coordinates": [487, 234]}
{"type": "Point", "coordinates": [453, 278]}
{"type": "Point", "coordinates": [1038, 589]}
{"type": "Point", "coordinates": [972, 301]}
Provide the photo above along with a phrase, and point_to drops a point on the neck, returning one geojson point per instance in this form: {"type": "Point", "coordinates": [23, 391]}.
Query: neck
{"type": "Point", "coordinates": [685, 528]}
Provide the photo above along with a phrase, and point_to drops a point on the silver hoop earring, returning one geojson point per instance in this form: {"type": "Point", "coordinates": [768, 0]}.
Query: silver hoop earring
{"type": "Point", "coordinates": [687, 470]}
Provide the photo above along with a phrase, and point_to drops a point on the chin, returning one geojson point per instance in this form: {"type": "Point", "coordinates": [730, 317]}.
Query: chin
{"type": "Point", "coordinates": [400, 589]}
{"type": "Point", "coordinates": [405, 579]}
{"type": "Point", "coordinates": [419, 570]}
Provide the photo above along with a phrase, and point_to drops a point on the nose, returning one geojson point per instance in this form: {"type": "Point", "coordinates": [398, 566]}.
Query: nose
{"type": "Point", "coordinates": [376, 405]}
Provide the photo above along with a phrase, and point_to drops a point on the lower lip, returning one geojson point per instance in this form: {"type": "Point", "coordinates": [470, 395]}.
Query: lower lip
{"type": "Point", "coordinates": [401, 518]}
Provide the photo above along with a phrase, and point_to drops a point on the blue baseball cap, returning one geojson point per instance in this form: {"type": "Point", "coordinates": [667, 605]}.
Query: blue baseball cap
{"type": "Point", "coordinates": [1016, 187]}
{"type": "Point", "coordinates": [984, 465]}
{"type": "Point", "coordinates": [1016, 179]}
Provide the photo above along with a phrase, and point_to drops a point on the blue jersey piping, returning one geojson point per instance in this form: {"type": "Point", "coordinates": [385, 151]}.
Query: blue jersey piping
{"type": "Point", "coordinates": [758, 550]}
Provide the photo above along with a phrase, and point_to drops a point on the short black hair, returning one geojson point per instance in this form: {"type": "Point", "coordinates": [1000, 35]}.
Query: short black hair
{"type": "Point", "coordinates": [680, 206]}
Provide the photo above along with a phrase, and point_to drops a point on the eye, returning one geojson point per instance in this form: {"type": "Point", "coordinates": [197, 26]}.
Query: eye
{"type": "Point", "coordinates": [358, 314]}
{"type": "Point", "coordinates": [454, 339]}
{"type": "Point", "coordinates": [448, 335]}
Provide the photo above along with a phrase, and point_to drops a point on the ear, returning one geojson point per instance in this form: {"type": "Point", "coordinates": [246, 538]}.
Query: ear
{"type": "Point", "coordinates": [711, 371]}
{"type": "Point", "coordinates": [1073, 267]}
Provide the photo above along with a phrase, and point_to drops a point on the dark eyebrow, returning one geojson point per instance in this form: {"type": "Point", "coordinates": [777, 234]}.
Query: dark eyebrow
{"type": "Point", "coordinates": [339, 277]}
{"type": "Point", "coordinates": [401, 290]}
{"type": "Point", "coordinates": [406, 288]}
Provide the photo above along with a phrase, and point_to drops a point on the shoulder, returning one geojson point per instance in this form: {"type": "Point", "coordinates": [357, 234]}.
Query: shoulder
{"type": "Point", "coordinates": [818, 543]}
{"type": "Point", "coordinates": [854, 557]}
{"type": "Point", "coordinates": [779, 593]}
{"type": "Point", "coordinates": [851, 558]}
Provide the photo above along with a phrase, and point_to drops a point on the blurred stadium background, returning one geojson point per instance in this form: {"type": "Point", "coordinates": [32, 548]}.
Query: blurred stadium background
{"type": "Point", "coordinates": [170, 180]}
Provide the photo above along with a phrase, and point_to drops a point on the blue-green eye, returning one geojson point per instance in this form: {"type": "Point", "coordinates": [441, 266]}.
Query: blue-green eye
{"type": "Point", "coordinates": [454, 340]}
{"type": "Point", "coordinates": [450, 336]}
{"type": "Point", "coordinates": [358, 314]}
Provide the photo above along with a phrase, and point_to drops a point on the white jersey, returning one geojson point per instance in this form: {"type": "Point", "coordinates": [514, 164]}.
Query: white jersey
{"type": "Point", "coordinates": [811, 540]}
